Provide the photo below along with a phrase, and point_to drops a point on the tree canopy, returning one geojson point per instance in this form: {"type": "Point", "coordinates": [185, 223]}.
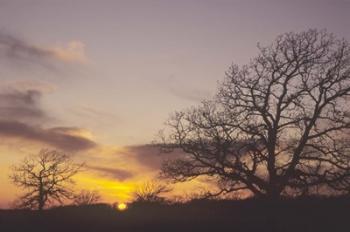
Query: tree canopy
{"type": "Point", "coordinates": [46, 179]}
{"type": "Point", "coordinates": [277, 126]}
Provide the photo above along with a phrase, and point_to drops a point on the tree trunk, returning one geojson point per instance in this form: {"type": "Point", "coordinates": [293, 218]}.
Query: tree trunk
{"type": "Point", "coordinates": [41, 196]}
{"type": "Point", "coordinates": [273, 193]}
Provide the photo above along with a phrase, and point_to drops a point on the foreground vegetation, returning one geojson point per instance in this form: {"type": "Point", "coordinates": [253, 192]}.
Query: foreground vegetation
{"type": "Point", "coordinates": [307, 214]}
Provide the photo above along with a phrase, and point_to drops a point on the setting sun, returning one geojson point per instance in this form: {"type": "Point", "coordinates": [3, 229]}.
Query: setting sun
{"type": "Point", "coordinates": [122, 206]}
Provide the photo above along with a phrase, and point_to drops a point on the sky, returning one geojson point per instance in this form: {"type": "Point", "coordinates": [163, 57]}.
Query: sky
{"type": "Point", "coordinates": [97, 79]}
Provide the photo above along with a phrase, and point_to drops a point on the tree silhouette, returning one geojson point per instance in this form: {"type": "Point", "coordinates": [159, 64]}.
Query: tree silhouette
{"type": "Point", "coordinates": [87, 197]}
{"type": "Point", "coordinates": [277, 126]}
{"type": "Point", "coordinates": [151, 191]}
{"type": "Point", "coordinates": [46, 177]}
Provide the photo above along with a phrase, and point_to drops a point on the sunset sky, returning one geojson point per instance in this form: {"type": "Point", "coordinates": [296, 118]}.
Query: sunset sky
{"type": "Point", "coordinates": [98, 79]}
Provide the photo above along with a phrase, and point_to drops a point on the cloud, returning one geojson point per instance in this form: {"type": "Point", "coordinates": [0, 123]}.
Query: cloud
{"type": "Point", "coordinates": [195, 95]}
{"type": "Point", "coordinates": [61, 138]}
{"type": "Point", "coordinates": [19, 50]}
{"type": "Point", "coordinates": [25, 85]}
{"type": "Point", "coordinates": [21, 105]}
{"type": "Point", "coordinates": [185, 90]}
{"type": "Point", "coordinates": [150, 155]}
{"type": "Point", "coordinates": [94, 114]}
{"type": "Point", "coordinates": [21, 114]}
{"type": "Point", "coordinates": [74, 51]}
{"type": "Point", "coordinates": [116, 173]}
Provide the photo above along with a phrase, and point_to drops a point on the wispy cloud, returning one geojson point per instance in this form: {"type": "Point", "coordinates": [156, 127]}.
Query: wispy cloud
{"type": "Point", "coordinates": [185, 91]}
{"type": "Point", "coordinates": [18, 50]}
{"type": "Point", "coordinates": [116, 173]}
{"type": "Point", "coordinates": [56, 137]}
{"type": "Point", "coordinates": [195, 95]}
{"type": "Point", "coordinates": [74, 51]}
{"type": "Point", "coordinates": [94, 113]}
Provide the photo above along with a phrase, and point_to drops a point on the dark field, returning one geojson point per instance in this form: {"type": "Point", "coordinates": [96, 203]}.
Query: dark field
{"type": "Point", "coordinates": [246, 215]}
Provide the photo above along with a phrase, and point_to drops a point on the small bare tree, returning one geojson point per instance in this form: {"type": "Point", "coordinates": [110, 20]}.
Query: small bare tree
{"type": "Point", "coordinates": [47, 178]}
{"type": "Point", "coordinates": [151, 191]}
{"type": "Point", "coordinates": [87, 197]}
{"type": "Point", "coordinates": [278, 126]}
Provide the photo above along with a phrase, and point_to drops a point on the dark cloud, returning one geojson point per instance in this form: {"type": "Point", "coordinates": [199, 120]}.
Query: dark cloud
{"type": "Point", "coordinates": [21, 114]}
{"type": "Point", "coordinates": [21, 105]}
{"type": "Point", "coordinates": [151, 156]}
{"type": "Point", "coordinates": [61, 138]}
{"type": "Point", "coordinates": [118, 174]}
{"type": "Point", "coordinates": [15, 49]}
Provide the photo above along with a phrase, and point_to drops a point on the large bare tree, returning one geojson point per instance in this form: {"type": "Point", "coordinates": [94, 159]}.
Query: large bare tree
{"type": "Point", "coordinates": [278, 126]}
{"type": "Point", "coordinates": [46, 178]}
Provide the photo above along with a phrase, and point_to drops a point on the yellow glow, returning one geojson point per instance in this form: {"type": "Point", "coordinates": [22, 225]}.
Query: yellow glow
{"type": "Point", "coordinates": [122, 206]}
{"type": "Point", "coordinates": [111, 190]}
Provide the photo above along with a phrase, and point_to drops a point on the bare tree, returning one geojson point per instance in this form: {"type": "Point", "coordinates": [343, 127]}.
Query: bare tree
{"type": "Point", "coordinates": [151, 191]}
{"type": "Point", "coordinates": [278, 126]}
{"type": "Point", "coordinates": [47, 178]}
{"type": "Point", "coordinates": [87, 197]}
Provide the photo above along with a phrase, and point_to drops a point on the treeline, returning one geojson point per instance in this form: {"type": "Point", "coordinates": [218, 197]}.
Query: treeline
{"type": "Point", "coordinates": [304, 214]}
